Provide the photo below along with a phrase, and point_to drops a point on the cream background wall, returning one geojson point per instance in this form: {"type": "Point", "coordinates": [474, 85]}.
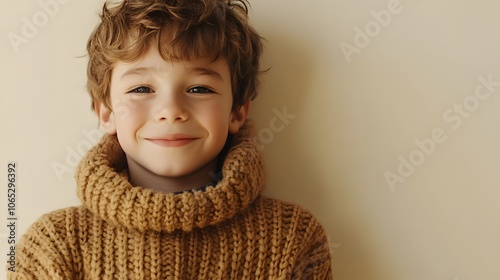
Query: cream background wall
{"type": "Point", "coordinates": [381, 117]}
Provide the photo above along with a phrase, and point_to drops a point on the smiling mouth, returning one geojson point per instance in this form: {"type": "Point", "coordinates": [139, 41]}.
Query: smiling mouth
{"type": "Point", "coordinates": [177, 142]}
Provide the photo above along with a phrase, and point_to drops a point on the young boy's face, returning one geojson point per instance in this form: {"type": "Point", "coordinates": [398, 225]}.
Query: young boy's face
{"type": "Point", "coordinates": [171, 117]}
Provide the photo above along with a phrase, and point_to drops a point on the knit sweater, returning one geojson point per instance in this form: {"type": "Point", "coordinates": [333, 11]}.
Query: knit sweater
{"type": "Point", "coordinates": [226, 231]}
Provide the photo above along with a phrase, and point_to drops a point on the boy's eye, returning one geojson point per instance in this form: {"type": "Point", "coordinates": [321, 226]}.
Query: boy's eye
{"type": "Point", "coordinates": [200, 90]}
{"type": "Point", "coordinates": [141, 89]}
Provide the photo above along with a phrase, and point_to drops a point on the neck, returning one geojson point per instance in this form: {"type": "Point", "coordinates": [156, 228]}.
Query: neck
{"type": "Point", "coordinates": [140, 176]}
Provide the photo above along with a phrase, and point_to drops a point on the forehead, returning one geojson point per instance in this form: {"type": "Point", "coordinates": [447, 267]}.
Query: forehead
{"type": "Point", "coordinates": [152, 62]}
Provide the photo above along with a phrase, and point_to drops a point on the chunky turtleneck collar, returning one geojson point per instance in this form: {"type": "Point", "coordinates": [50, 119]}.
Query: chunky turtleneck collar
{"type": "Point", "coordinates": [103, 187]}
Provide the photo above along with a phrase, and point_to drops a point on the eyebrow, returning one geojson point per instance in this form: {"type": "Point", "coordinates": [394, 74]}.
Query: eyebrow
{"type": "Point", "coordinates": [136, 71]}
{"type": "Point", "coordinates": [197, 70]}
{"type": "Point", "coordinates": [207, 72]}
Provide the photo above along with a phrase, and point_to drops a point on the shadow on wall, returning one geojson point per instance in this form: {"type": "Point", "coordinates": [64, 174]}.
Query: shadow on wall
{"type": "Point", "coordinates": [293, 173]}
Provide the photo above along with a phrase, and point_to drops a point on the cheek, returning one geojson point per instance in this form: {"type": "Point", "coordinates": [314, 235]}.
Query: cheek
{"type": "Point", "coordinates": [129, 117]}
{"type": "Point", "coordinates": [217, 116]}
{"type": "Point", "coordinates": [127, 127]}
{"type": "Point", "coordinates": [123, 109]}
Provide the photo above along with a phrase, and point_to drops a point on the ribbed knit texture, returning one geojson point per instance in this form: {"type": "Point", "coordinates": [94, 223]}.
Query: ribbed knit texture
{"type": "Point", "coordinates": [227, 231]}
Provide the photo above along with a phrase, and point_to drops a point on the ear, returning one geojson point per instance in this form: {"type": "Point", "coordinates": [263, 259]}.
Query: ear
{"type": "Point", "coordinates": [238, 117]}
{"type": "Point", "coordinates": [106, 118]}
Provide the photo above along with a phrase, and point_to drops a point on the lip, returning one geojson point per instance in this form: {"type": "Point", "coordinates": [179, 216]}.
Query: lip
{"type": "Point", "coordinates": [172, 140]}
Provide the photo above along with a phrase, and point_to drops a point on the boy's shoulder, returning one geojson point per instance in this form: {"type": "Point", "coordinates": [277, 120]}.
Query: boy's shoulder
{"type": "Point", "coordinates": [287, 206]}
{"type": "Point", "coordinates": [286, 214]}
{"type": "Point", "coordinates": [57, 222]}
{"type": "Point", "coordinates": [294, 230]}
{"type": "Point", "coordinates": [62, 214]}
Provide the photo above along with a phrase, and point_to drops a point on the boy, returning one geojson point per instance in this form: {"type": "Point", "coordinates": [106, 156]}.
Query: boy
{"type": "Point", "coordinates": [172, 191]}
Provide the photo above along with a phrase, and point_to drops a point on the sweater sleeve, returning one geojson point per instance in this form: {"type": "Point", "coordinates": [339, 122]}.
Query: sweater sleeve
{"type": "Point", "coordinates": [315, 261]}
{"type": "Point", "coordinates": [41, 252]}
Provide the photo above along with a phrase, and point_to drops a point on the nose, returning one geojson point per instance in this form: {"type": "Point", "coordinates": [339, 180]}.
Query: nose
{"type": "Point", "coordinates": [171, 107]}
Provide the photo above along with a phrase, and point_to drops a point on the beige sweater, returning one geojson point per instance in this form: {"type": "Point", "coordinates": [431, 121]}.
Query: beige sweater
{"type": "Point", "coordinates": [226, 231]}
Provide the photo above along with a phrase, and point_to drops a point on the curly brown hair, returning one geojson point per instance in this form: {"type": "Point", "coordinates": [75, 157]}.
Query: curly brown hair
{"type": "Point", "coordinates": [201, 28]}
